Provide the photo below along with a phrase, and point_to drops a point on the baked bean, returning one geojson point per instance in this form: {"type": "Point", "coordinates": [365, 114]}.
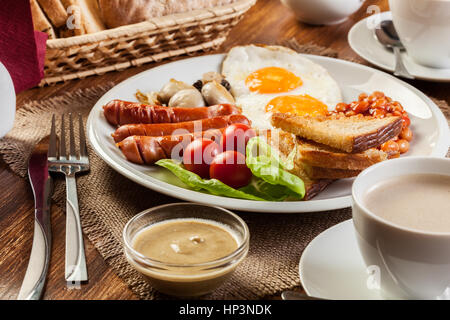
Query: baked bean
{"type": "Point", "coordinates": [362, 96]}
{"type": "Point", "coordinates": [403, 145]}
{"type": "Point", "coordinates": [390, 146]}
{"type": "Point", "coordinates": [406, 121]}
{"type": "Point", "coordinates": [406, 134]}
{"type": "Point", "coordinates": [361, 107]}
{"type": "Point", "coordinates": [341, 107]}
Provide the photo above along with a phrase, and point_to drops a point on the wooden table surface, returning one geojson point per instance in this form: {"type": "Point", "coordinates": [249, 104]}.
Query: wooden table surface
{"type": "Point", "coordinates": [267, 22]}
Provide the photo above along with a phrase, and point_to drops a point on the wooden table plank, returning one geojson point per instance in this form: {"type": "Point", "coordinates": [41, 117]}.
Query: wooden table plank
{"type": "Point", "coordinates": [267, 22]}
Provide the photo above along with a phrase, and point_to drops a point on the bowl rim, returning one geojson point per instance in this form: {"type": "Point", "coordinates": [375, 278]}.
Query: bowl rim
{"type": "Point", "coordinates": [241, 249]}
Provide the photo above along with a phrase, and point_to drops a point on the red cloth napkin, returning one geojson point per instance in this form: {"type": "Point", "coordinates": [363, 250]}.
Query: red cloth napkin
{"type": "Point", "coordinates": [22, 50]}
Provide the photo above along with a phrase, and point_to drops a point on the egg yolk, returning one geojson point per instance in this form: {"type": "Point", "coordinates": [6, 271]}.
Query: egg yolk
{"type": "Point", "coordinates": [272, 80]}
{"type": "Point", "coordinates": [299, 105]}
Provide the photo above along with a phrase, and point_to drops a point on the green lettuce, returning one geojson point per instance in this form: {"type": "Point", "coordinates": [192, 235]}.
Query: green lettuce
{"type": "Point", "coordinates": [266, 164]}
{"type": "Point", "coordinates": [213, 186]}
{"type": "Point", "coordinates": [270, 182]}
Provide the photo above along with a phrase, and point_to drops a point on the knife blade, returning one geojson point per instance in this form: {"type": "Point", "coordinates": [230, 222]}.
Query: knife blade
{"type": "Point", "coordinates": [42, 185]}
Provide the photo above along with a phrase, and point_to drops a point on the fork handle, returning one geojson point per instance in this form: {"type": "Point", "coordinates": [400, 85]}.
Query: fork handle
{"type": "Point", "coordinates": [76, 270]}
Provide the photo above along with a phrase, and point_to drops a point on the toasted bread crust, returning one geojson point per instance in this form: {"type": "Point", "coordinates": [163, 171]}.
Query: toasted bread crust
{"type": "Point", "coordinates": [328, 130]}
{"type": "Point", "coordinates": [329, 173]}
{"type": "Point", "coordinates": [378, 137]}
{"type": "Point", "coordinates": [319, 155]}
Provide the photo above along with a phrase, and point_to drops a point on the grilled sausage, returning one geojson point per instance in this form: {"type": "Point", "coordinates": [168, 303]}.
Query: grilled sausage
{"type": "Point", "coordinates": [119, 112]}
{"type": "Point", "coordinates": [148, 150]}
{"type": "Point", "coordinates": [165, 129]}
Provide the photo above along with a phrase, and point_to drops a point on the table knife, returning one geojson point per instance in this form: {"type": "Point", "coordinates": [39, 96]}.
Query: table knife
{"type": "Point", "coordinates": [42, 185]}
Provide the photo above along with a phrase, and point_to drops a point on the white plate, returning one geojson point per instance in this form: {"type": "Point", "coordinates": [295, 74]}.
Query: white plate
{"type": "Point", "coordinates": [428, 124]}
{"type": "Point", "coordinates": [362, 40]}
{"type": "Point", "coordinates": [331, 266]}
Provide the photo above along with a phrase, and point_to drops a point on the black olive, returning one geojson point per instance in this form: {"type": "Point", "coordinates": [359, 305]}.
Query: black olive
{"type": "Point", "coordinates": [226, 84]}
{"type": "Point", "coordinates": [198, 85]}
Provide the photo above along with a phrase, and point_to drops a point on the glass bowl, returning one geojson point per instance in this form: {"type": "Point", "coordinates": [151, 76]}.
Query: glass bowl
{"type": "Point", "coordinates": [186, 280]}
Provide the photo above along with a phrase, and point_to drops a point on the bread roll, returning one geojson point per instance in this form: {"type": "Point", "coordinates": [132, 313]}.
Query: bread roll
{"type": "Point", "coordinates": [40, 21]}
{"type": "Point", "coordinates": [85, 15]}
{"type": "Point", "coordinates": [116, 13]}
{"type": "Point", "coordinates": [55, 12]}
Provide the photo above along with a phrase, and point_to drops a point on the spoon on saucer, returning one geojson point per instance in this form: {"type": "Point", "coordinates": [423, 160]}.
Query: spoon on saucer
{"type": "Point", "coordinates": [387, 36]}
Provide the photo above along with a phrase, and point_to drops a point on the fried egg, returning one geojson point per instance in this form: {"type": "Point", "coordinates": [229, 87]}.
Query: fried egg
{"type": "Point", "coordinates": [270, 79]}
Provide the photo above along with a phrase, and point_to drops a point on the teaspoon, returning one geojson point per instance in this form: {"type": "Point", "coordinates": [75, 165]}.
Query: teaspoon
{"type": "Point", "coordinates": [387, 36]}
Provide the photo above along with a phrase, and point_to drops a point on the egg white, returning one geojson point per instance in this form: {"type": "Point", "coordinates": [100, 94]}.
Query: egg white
{"type": "Point", "coordinates": [243, 60]}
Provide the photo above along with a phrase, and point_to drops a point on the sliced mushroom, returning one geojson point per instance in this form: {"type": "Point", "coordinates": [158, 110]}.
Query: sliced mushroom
{"type": "Point", "coordinates": [215, 93]}
{"type": "Point", "coordinates": [187, 98]}
{"type": "Point", "coordinates": [171, 88]}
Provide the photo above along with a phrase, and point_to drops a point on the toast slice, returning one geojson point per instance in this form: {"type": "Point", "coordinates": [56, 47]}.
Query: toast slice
{"type": "Point", "coordinates": [40, 21]}
{"type": "Point", "coordinates": [350, 134]}
{"type": "Point", "coordinates": [319, 155]}
{"type": "Point", "coordinates": [285, 143]}
{"type": "Point", "coordinates": [55, 12]}
{"type": "Point", "coordinates": [329, 173]}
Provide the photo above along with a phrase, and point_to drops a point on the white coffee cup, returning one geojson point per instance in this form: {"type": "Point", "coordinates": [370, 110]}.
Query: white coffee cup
{"type": "Point", "coordinates": [8, 101]}
{"type": "Point", "coordinates": [411, 264]}
{"type": "Point", "coordinates": [321, 12]}
{"type": "Point", "coordinates": [424, 29]}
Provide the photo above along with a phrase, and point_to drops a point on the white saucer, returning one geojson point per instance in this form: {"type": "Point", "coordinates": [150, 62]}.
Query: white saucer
{"type": "Point", "coordinates": [331, 266]}
{"type": "Point", "coordinates": [362, 40]}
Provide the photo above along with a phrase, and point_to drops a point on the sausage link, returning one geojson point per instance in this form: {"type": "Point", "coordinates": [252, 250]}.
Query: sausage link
{"type": "Point", "coordinates": [148, 150]}
{"type": "Point", "coordinates": [118, 112]}
{"type": "Point", "coordinates": [165, 129]}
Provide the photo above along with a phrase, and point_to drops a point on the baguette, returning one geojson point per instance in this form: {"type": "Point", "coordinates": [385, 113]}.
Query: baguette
{"type": "Point", "coordinates": [40, 21]}
{"type": "Point", "coordinates": [350, 134]}
{"type": "Point", "coordinates": [55, 12]}
{"type": "Point", "coordinates": [84, 15]}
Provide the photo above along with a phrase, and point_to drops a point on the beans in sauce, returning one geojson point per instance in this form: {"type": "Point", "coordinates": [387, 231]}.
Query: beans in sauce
{"type": "Point", "coordinates": [378, 105]}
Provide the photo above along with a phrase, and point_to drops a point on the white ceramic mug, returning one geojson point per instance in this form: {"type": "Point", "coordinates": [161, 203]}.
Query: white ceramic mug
{"type": "Point", "coordinates": [411, 264]}
{"type": "Point", "coordinates": [321, 12]}
{"type": "Point", "coordinates": [7, 101]}
{"type": "Point", "coordinates": [424, 29]}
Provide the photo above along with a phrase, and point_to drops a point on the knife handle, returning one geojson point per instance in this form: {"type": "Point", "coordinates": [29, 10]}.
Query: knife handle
{"type": "Point", "coordinates": [34, 280]}
{"type": "Point", "coordinates": [76, 270]}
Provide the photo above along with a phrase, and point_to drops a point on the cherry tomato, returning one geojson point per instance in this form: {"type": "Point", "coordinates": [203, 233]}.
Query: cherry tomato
{"type": "Point", "coordinates": [230, 168]}
{"type": "Point", "coordinates": [198, 155]}
{"type": "Point", "coordinates": [236, 136]}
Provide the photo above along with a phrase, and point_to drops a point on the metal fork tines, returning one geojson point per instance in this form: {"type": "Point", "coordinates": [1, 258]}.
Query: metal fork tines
{"type": "Point", "coordinates": [70, 164]}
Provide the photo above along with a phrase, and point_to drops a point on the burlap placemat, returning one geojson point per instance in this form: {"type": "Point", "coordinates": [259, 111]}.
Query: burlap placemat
{"type": "Point", "coordinates": [108, 200]}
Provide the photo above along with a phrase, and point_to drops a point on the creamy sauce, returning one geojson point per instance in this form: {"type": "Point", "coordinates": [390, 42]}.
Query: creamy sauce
{"type": "Point", "coordinates": [185, 241]}
{"type": "Point", "coordinates": [416, 201]}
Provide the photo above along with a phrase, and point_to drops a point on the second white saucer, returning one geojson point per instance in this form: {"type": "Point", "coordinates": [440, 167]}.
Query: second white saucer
{"type": "Point", "coordinates": [362, 40]}
{"type": "Point", "coordinates": [331, 267]}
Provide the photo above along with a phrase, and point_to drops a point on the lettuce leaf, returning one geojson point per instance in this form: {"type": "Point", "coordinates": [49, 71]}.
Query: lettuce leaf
{"type": "Point", "coordinates": [270, 182]}
{"type": "Point", "coordinates": [213, 186]}
{"type": "Point", "coordinates": [266, 164]}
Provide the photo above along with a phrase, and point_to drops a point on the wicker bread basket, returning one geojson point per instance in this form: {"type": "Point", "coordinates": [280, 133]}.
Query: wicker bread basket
{"type": "Point", "coordinates": [136, 44]}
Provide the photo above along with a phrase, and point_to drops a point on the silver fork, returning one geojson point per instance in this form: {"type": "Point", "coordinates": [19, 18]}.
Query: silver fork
{"type": "Point", "coordinates": [70, 164]}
